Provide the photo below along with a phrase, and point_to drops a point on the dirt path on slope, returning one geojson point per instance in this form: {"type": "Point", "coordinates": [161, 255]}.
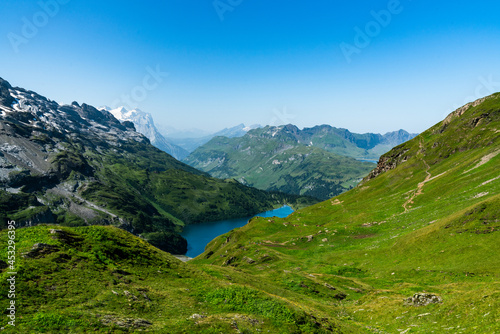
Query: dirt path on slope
{"type": "Point", "coordinates": [420, 186]}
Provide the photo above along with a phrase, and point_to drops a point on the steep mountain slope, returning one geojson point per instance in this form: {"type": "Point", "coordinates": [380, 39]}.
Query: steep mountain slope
{"type": "Point", "coordinates": [144, 124]}
{"type": "Point", "coordinates": [191, 144]}
{"type": "Point", "coordinates": [275, 160]}
{"type": "Point", "coordinates": [427, 221]}
{"type": "Point", "coordinates": [75, 165]}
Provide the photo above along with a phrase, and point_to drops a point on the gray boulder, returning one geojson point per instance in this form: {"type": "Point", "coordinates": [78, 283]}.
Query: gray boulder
{"type": "Point", "coordinates": [423, 299]}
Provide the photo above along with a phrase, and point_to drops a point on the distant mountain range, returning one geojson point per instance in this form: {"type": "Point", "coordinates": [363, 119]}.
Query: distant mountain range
{"type": "Point", "coordinates": [144, 124]}
{"type": "Point", "coordinates": [316, 162]}
{"type": "Point", "coordinates": [367, 146]}
{"type": "Point", "coordinates": [76, 165]}
{"type": "Point", "coordinates": [192, 143]}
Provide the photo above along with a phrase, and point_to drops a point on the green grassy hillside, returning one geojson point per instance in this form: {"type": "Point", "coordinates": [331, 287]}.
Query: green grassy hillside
{"type": "Point", "coordinates": [279, 163]}
{"type": "Point", "coordinates": [428, 222]}
{"type": "Point", "coordinates": [425, 221]}
{"type": "Point", "coordinates": [105, 280]}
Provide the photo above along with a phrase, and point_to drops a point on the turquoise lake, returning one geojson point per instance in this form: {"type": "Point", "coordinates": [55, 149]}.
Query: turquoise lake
{"type": "Point", "coordinates": [199, 235]}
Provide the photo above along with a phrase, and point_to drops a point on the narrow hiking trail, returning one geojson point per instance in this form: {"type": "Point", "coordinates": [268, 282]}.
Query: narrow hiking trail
{"type": "Point", "coordinates": [420, 186]}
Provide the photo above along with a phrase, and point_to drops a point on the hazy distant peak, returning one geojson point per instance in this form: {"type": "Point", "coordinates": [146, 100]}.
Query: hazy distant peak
{"type": "Point", "coordinates": [251, 127]}
{"type": "Point", "coordinates": [144, 124]}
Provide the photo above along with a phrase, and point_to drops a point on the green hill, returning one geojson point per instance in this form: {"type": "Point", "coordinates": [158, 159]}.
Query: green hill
{"type": "Point", "coordinates": [426, 220]}
{"type": "Point", "coordinates": [105, 280]}
{"type": "Point", "coordinates": [273, 159]}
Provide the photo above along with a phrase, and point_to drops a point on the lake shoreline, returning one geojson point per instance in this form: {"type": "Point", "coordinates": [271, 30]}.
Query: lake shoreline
{"type": "Point", "coordinates": [199, 235]}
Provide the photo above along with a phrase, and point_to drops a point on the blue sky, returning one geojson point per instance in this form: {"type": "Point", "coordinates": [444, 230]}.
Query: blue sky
{"type": "Point", "coordinates": [242, 61]}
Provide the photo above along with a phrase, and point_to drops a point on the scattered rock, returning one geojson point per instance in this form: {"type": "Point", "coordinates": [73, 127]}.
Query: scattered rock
{"type": "Point", "coordinates": [108, 320]}
{"type": "Point", "coordinates": [355, 289]}
{"type": "Point", "coordinates": [143, 293]}
{"type": "Point", "coordinates": [197, 316]}
{"type": "Point", "coordinates": [145, 296]}
{"type": "Point", "coordinates": [324, 240]}
{"type": "Point", "coordinates": [330, 286]}
{"type": "Point", "coordinates": [128, 294]}
{"type": "Point", "coordinates": [64, 236]}
{"type": "Point", "coordinates": [340, 296]}
{"type": "Point", "coordinates": [54, 231]}
{"type": "Point", "coordinates": [423, 299]}
{"type": "Point", "coordinates": [39, 250]}
{"type": "Point", "coordinates": [310, 238]}
{"type": "Point", "coordinates": [229, 261]}
{"type": "Point", "coordinates": [423, 315]}
{"type": "Point", "coordinates": [248, 260]}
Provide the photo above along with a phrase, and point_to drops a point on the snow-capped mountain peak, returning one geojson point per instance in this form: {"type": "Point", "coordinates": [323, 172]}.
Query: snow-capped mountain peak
{"type": "Point", "coordinates": [144, 124]}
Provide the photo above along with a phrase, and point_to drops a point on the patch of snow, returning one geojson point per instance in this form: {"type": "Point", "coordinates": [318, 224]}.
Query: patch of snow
{"type": "Point", "coordinates": [484, 160]}
{"type": "Point", "coordinates": [119, 113]}
{"type": "Point", "coordinates": [489, 181]}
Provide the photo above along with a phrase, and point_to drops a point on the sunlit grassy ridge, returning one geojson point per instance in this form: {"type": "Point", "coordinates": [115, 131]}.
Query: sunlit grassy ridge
{"type": "Point", "coordinates": [431, 224]}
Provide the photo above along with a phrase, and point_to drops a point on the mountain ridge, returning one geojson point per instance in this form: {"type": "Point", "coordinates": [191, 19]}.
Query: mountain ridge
{"type": "Point", "coordinates": [191, 144]}
{"type": "Point", "coordinates": [77, 165]}
{"type": "Point", "coordinates": [302, 162]}
{"type": "Point", "coordinates": [145, 124]}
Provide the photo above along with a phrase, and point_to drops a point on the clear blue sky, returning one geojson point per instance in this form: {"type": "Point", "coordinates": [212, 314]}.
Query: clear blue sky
{"type": "Point", "coordinates": [266, 62]}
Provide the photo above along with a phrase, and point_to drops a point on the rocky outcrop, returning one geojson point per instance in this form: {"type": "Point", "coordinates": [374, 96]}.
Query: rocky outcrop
{"type": "Point", "coordinates": [40, 250]}
{"type": "Point", "coordinates": [128, 323]}
{"type": "Point", "coordinates": [5, 97]}
{"type": "Point", "coordinates": [389, 161]}
{"type": "Point", "coordinates": [460, 111]}
{"type": "Point", "coordinates": [423, 299]}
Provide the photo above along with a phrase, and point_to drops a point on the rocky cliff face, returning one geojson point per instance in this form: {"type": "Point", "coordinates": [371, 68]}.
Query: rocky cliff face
{"type": "Point", "coordinates": [43, 148]}
{"type": "Point", "coordinates": [388, 161]}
